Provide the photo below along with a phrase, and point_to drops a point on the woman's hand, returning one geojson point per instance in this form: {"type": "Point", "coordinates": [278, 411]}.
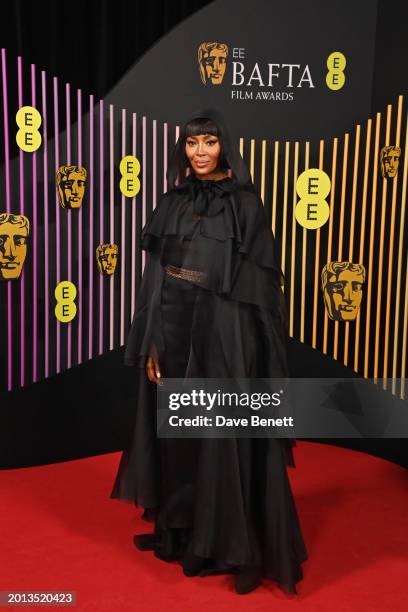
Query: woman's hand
{"type": "Point", "coordinates": [153, 370]}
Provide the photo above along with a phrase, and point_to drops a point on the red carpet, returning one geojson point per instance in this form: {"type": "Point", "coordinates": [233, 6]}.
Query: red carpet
{"type": "Point", "coordinates": [60, 531]}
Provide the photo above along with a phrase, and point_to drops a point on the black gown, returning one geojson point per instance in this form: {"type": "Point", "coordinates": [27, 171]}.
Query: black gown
{"type": "Point", "coordinates": [210, 305]}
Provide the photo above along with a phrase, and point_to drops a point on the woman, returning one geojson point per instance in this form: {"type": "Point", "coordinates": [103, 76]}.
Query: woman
{"type": "Point", "coordinates": [210, 305]}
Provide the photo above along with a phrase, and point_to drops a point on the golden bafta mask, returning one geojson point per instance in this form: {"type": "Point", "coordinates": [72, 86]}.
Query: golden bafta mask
{"type": "Point", "coordinates": [342, 285]}
{"type": "Point", "coordinates": [390, 157]}
{"type": "Point", "coordinates": [71, 186]}
{"type": "Point", "coordinates": [107, 256]}
{"type": "Point", "coordinates": [212, 61]}
{"type": "Point", "coordinates": [14, 230]}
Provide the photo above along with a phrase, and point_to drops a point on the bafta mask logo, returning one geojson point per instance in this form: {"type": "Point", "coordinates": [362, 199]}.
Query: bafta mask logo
{"type": "Point", "coordinates": [212, 61]}
{"type": "Point", "coordinates": [71, 186]}
{"type": "Point", "coordinates": [14, 230]}
{"type": "Point", "coordinates": [342, 284]}
{"type": "Point", "coordinates": [107, 256]}
{"type": "Point", "coordinates": [390, 157]}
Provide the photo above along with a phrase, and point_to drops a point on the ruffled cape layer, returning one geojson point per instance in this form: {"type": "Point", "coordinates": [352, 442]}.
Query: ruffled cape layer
{"type": "Point", "coordinates": [239, 323]}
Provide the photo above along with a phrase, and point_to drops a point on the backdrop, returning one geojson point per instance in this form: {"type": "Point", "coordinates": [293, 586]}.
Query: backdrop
{"type": "Point", "coordinates": [64, 391]}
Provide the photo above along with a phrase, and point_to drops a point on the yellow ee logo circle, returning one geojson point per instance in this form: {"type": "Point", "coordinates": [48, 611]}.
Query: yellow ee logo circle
{"type": "Point", "coordinates": [65, 294]}
{"type": "Point", "coordinates": [336, 63]}
{"type": "Point", "coordinates": [129, 183]}
{"type": "Point", "coordinates": [28, 137]}
{"type": "Point", "coordinates": [313, 186]}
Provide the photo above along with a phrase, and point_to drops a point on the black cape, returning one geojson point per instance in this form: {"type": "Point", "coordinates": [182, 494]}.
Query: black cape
{"type": "Point", "coordinates": [218, 229]}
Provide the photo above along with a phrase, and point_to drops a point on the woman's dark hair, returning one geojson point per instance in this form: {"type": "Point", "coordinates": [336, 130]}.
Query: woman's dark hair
{"type": "Point", "coordinates": [204, 126]}
{"type": "Point", "coordinates": [200, 122]}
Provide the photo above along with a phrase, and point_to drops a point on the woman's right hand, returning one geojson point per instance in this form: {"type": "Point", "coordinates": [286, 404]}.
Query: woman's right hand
{"type": "Point", "coordinates": [153, 370]}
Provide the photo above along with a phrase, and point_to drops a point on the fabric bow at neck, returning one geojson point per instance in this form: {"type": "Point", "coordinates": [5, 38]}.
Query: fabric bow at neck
{"type": "Point", "coordinates": [207, 197]}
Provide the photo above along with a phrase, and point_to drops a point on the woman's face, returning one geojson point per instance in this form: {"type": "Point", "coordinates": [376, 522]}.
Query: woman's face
{"type": "Point", "coordinates": [203, 152]}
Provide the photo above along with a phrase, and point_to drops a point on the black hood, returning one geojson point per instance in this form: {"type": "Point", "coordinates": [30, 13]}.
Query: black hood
{"type": "Point", "coordinates": [178, 160]}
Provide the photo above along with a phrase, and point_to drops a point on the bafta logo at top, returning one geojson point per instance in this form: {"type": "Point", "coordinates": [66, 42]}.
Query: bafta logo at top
{"type": "Point", "coordinates": [390, 157]}
{"type": "Point", "coordinates": [14, 230]}
{"type": "Point", "coordinates": [342, 285]}
{"type": "Point", "coordinates": [212, 62]}
{"type": "Point", "coordinates": [71, 186]}
{"type": "Point", "coordinates": [107, 256]}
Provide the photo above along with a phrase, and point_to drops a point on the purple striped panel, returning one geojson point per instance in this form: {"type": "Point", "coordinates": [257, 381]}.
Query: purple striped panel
{"type": "Point", "coordinates": [34, 240]}
{"type": "Point", "coordinates": [91, 225]}
{"type": "Point", "coordinates": [144, 186]}
{"type": "Point", "coordinates": [154, 186]}
{"type": "Point", "coordinates": [8, 209]}
{"type": "Point", "coordinates": [46, 235]}
{"type": "Point", "coordinates": [177, 137]}
{"type": "Point", "coordinates": [79, 286]}
{"type": "Point", "coordinates": [101, 144]}
{"type": "Point", "coordinates": [57, 218]}
{"type": "Point", "coordinates": [112, 223]}
{"type": "Point", "coordinates": [21, 187]}
{"type": "Point", "coordinates": [122, 242]}
{"type": "Point", "coordinates": [165, 148]}
{"type": "Point", "coordinates": [69, 216]}
{"type": "Point", "coordinates": [133, 246]}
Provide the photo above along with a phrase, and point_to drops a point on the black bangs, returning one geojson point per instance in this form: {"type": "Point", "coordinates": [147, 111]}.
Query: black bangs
{"type": "Point", "coordinates": [201, 126]}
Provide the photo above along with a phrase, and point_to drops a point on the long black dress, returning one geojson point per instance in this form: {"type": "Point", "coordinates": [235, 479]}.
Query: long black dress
{"type": "Point", "coordinates": [210, 305]}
